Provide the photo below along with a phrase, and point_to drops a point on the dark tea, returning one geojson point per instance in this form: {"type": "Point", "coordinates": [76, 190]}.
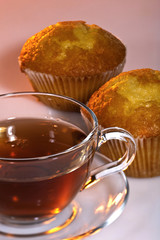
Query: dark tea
{"type": "Point", "coordinates": [29, 188]}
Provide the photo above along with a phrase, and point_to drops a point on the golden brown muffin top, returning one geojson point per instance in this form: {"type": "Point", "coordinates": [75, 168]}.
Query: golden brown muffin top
{"type": "Point", "coordinates": [131, 101]}
{"type": "Point", "coordinates": [72, 48]}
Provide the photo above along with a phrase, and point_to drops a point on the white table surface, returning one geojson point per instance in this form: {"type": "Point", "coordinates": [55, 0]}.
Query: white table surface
{"type": "Point", "coordinates": [137, 24]}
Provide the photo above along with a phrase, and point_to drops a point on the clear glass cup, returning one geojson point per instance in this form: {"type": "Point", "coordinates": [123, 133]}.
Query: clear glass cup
{"type": "Point", "coordinates": [47, 144]}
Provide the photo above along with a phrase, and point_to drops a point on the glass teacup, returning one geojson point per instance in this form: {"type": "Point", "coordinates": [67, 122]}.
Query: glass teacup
{"type": "Point", "coordinates": [47, 144]}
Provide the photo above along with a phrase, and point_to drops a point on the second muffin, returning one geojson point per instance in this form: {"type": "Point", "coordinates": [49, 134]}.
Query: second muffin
{"type": "Point", "coordinates": [72, 58]}
{"type": "Point", "coordinates": [132, 101]}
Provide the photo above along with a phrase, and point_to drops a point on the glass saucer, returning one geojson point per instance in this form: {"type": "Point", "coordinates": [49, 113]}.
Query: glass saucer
{"type": "Point", "coordinates": [92, 209]}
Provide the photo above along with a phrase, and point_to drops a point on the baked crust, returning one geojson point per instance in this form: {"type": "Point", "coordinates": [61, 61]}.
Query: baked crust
{"type": "Point", "coordinates": [72, 48]}
{"type": "Point", "coordinates": [131, 101]}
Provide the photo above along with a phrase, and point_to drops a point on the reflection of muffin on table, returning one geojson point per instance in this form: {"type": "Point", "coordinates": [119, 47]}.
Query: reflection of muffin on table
{"type": "Point", "coordinates": [132, 101]}
{"type": "Point", "coordinates": [72, 58]}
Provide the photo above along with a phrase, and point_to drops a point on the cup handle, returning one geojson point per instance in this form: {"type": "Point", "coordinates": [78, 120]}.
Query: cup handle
{"type": "Point", "coordinates": [121, 163]}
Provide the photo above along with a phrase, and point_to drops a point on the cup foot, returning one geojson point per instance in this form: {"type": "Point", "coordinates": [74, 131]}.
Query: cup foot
{"type": "Point", "coordinates": [49, 226]}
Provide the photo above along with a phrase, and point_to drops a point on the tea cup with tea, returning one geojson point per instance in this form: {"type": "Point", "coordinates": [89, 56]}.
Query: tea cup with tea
{"type": "Point", "coordinates": [46, 153]}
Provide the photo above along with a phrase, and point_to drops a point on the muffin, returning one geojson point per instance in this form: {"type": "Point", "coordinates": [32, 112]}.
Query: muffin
{"type": "Point", "coordinates": [72, 58]}
{"type": "Point", "coordinates": [132, 101]}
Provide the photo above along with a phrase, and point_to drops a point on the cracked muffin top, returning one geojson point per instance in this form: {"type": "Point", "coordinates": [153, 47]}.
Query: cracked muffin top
{"type": "Point", "coordinates": [131, 100]}
{"type": "Point", "coordinates": [72, 48]}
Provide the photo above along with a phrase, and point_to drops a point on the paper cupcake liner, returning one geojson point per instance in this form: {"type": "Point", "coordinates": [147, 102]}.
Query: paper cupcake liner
{"type": "Point", "coordinates": [147, 160]}
{"type": "Point", "coordinates": [79, 88]}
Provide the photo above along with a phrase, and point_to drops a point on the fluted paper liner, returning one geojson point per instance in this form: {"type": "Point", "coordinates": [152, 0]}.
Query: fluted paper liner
{"type": "Point", "coordinates": [79, 88]}
{"type": "Point", "coordinates": [147, 160]}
